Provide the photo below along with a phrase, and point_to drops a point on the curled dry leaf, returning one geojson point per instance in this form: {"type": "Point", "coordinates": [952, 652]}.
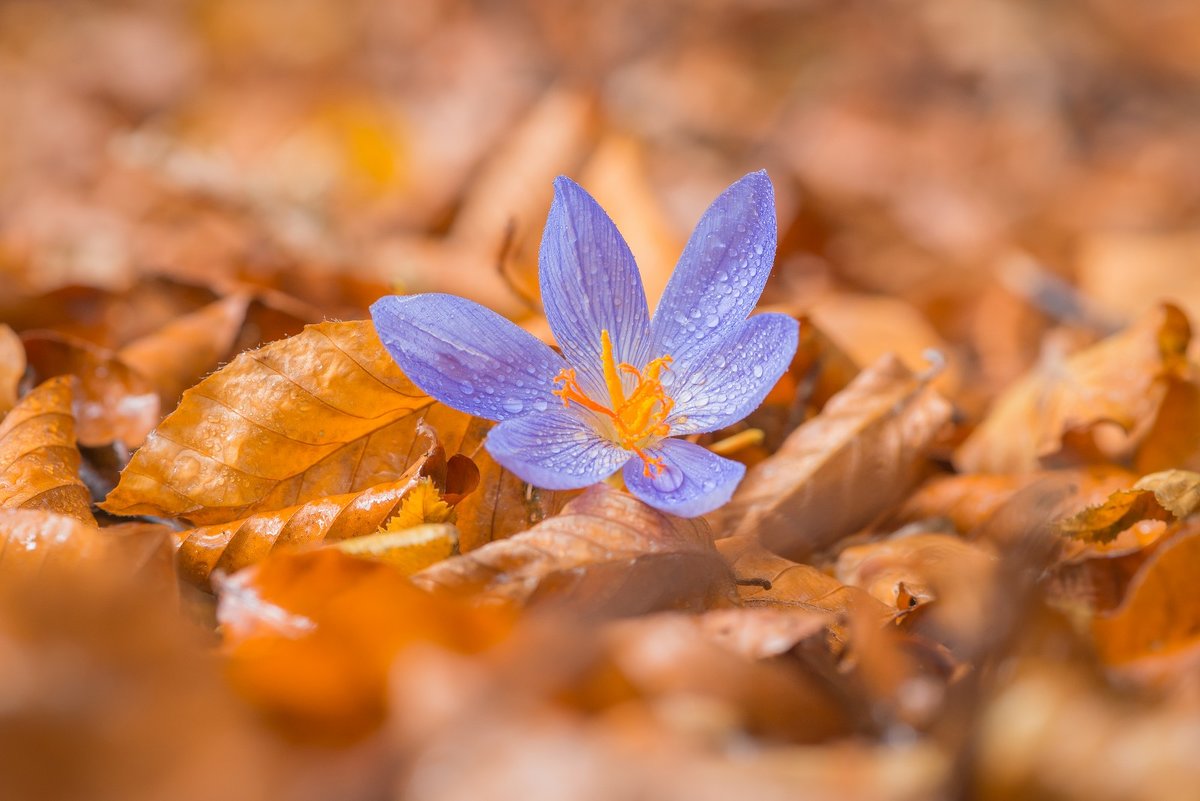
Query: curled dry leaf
{"type": "Point", "coordinates": [39, 463]}
{"type": "Point", "coordinates": [114, 402]}
{"type": "Point", "coordinates": [966, 501]}
{"type": "Point", "coordinates": [12, 367]}
{"type": "Point", "coordinates": [1160, 616]}
{"type": "Point", "coordinates": [606, 551]}
{"type": "Point", "coordinates": [310, 637]}
{"type": "Point", "coordinates": [843, 468]}
{"type": "Point", "coordinates": [1121, 380]}
{"type": "Point", "coordinates": [761, 632]}
{"type": "Point", "coordinates": [1174, 439]}
{"type": "Point", "coordinates": [229, 547]}
{"type": "Point", "coordinates": [175, 356]}
{"type": "Point", "coordinates": [323, 413]}
{"type": "Point", "coordinates": [1169, 495]}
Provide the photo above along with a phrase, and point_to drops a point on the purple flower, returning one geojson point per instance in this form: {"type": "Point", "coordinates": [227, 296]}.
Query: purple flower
{"type": "Point", "coordinates": [626, 383]}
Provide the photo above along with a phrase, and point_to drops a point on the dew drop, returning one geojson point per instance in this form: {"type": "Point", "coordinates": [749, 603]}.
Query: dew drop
{"type": "Point", "coordinates": [539, 405]}
{"type": "Point", "coordinates": [467, 387]}
{"type": "Point", "coordinates": [758, 371]}
{"type": "Point", "coordinates": [668, 478]}
{"type": "Point", "coordinates": [712, 321]}
{"type": "Point", "coordinates": [513, 405]}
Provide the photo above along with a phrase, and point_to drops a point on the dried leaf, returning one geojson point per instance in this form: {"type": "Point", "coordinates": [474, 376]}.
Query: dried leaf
{"type": "Point", "coordinates": [175, 356]}
{"type": "Point", "coordinates": [600, 543]}
{"type": "Point", "coordinates": [1174, 439]}
{"type": "Point", "coordinates": [411, 549]}
{"type": "Point", "coordinates": [1172, 494]}
{"type": "Point", "coordinates": [761, 632]}
{"type": "Point", "coordinates": [1121, 380]}
{"type": "Point", "coordinates": [311, 637]}
{"type": "Point", "coordinates": [39, 463]}
{"type": "Point", "coordinates": [229, 547]}
{"type": "Point", "coordinates": [323, 413]}
{"type": "Point", "coordinates": [424, 504]}
{"type": "Point", "coordinates": [1160, 614]}
{"type": "Point", "coordinates": [844, 467]}
{"type": "Point", "coordinates": [114, 402]}
{"type": "Point", "coordinates": [37, 540]}
{"type": "Point", "coordinates": [769, 580]}
{"type": "Point", "coordinates": [12, 367]}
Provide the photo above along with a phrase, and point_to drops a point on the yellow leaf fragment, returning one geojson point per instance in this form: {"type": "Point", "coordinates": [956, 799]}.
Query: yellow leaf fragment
{"type": "Point", "coordinates": [412, 549]}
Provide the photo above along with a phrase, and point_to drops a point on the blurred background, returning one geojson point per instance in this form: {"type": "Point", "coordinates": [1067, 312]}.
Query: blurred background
{"type": "Point", "coordinates": [937, 151]}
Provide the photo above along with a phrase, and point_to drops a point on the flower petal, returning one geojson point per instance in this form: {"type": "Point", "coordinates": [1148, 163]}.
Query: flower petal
{"type": "Point", "coordinates": [556, 450]}
{"type": "Point", "coordinates": [724, 384]}
{"type": "Point", "coordinates": [467, 356]}
{"type": "Point", "coordinates": [589, 283]}
{"type": "Point", "coordinates": [722, 271]}
{"type": "Point", "coordinates": [693, 482]}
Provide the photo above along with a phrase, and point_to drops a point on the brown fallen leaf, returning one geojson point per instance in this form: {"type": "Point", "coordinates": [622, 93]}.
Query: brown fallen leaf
{"type": "Point", "coordinates": [761, 632]}
{"type": "Point", "coordinates": [1174, 439]}
{"type": "Point", "coordinates": [175, 356]}
{"type": "Point", "coordinates": [1160, 615]}
{"type": "Point", "coordinates": [1121, 380]}
{"type": "Point", "coordinates": [1169, 495]}
{"type": "Point", "coordinates": [12, 367]}
{"type": "Point", "coordinates": [964, 500]}
{"type": "Point", "coordinates": [229, 547]}
{"type": "Point", "coordinates": [326, 412]}
{"type": "Point", "coordinates": [606, 551]}
{"type": "Point", "coordinates": [769, 580]}
{"type": "Point", "coordinates": [310, 638]}
{"type": "Point", "coordinates": [323, 413]}
{"type": "Point", "coordinates": [39, 463]}
{"type": "Point", "coordinates": [842, 469]}
{"type": "Point", "coordinates": [114, 402]}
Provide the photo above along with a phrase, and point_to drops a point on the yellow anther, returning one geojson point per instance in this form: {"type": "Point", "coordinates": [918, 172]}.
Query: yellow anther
{"type": "Point", "coordinates": [639, 419]}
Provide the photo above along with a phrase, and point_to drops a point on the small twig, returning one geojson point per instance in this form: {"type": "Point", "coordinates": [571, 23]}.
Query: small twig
{"type": "Point", "coordinates": [753, 582]}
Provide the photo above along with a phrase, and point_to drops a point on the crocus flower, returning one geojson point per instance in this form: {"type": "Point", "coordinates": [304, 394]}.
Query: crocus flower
{"type": "Point", "coordinates": [626, 385]}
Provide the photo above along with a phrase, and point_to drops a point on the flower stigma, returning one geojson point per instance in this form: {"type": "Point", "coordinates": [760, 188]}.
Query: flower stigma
{"type": "Point", "coordinates": [638, 419]}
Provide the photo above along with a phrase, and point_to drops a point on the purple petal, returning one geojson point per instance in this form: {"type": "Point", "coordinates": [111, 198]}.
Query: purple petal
{"type": "Point", "coordinates": [695, 480]}
{"type": "Point", "coordinates": [467, 356]}
{"type": "Point", "coordinates": [556, 450]}
{"type": "Point", "coordinates": [721, 386]}
{"type": "Point", "coordinates": [590, 283]}
{"type": "Point", "coordinates": [722, 271]}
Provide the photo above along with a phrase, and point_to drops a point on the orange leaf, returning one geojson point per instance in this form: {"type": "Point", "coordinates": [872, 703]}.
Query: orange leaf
{"type": "Point", "coordinates": [115, 403]}
{"type": "Point", "coordinates": [606, 551]}
{"type": "Point", "coordinates": [1121, 380]}
{"type": "Point", "coordinates": [39, 463]}
{"type": "Point", "coordinates": [229, 547]}
{"type": "Point", "coordinates": [310, 637]}
{"type": "Point", "coordinates": [326, 412]}
{"type": "Point", "coordinates": [1161, 611]}
{"type": "Point", "coordinates": [175, 356]}
{"type": "Point", "coordinates": [843, 468]}
{"type": "Point", "coordinates": [1171, 494]}
{"type": "Point", "coordinates": [12, 367]}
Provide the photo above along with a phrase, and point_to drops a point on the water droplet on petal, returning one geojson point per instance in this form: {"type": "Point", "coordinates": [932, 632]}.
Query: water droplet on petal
{"type": "Point", "coordinates": [668, 479]}
{"type": "Point", "coordinates": [467, 387]}
{"type": "Point", "coordinates": [712, 321]}
{"type": "Point", "coordinates": [513, 405]}
{"type": "Point", "coordinates": [758, 371]}
{"type": "Point", "coordinates": [539, 405]}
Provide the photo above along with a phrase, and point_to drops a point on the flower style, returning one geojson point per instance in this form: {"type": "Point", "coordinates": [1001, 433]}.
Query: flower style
{"type": "Point", "coordinates": [626, 384]}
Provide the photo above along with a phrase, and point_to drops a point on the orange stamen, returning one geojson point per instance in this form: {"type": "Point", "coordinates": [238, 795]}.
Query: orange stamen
{"type": "Point", "coordinates": [638, 419]}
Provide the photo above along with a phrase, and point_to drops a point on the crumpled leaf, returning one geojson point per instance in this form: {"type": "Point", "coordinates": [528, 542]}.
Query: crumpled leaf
{"type": "Point", "coordinates": [1161, 611]}
{"type": "Point", "coordinates": [229, 547]}
{"type": "Point", "coordinates": [1121, 380]}
{"type": "Point", "coordinates": [175, 356]}
{"type": "Point", "coordinates": [310, 638]}
{"type": "Point", "coordinates": [326, 412]}
{"type": "Point", "coordinates": [12, 367]}
{"type": "Point", "coordinates": [1169, 495]}
{"type": "Point", "coordinates": [114, 402]}
{"type": "Point", "coordinates": [606, 551]}
{"type": "Point", "coordinates": [39, 463]}
{"type": "Point", "coordinates": [843, 468]}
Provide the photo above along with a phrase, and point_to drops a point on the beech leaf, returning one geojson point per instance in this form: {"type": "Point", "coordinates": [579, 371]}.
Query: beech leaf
{"type": "Point", "coordinates": [12, 367]}
{"type": "Point", "coordinates": [843, 468]}
{"type": "Point", "coordinates": [39, 463]}
{"type": "Point", "coordinates": [606, 550]}
{"type": "Point", "coordinates": [1168, 495]}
